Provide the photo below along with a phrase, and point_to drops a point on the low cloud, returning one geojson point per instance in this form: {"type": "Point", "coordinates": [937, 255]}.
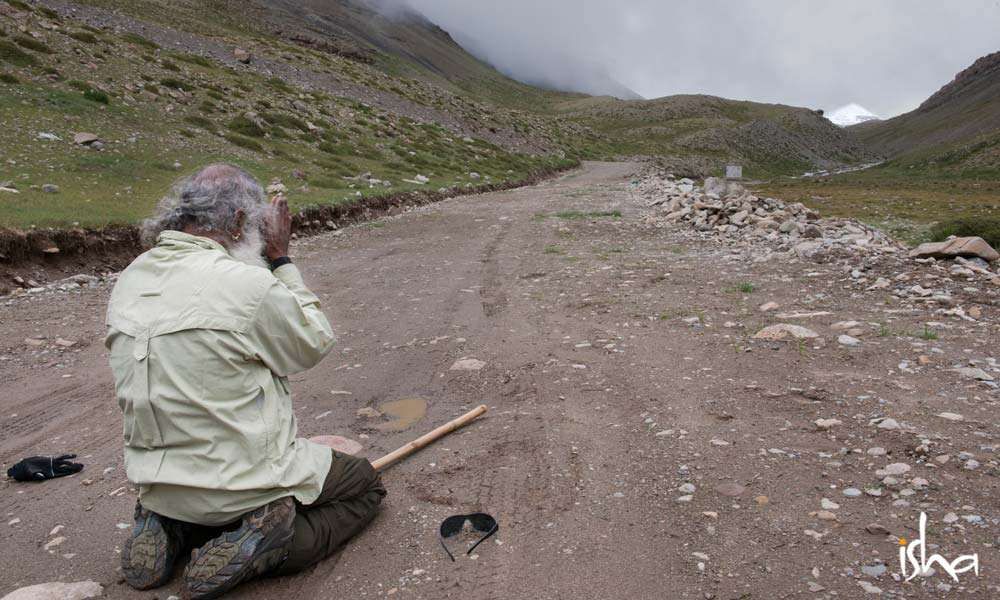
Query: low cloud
{"type": "Point", "coordinates": [888, 55]}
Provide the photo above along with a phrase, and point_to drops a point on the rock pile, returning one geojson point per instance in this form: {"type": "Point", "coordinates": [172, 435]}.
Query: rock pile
{"type": "Point", "coordinates": [727, 209]}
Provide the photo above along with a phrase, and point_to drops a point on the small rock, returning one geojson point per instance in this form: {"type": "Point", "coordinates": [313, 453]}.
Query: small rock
{"type": "Point", "coordinates": [85, 139]}
{"type": "Point", "coordinates": [852, 492]}
{"type": "Point", "coordinates": [974, 373]}
{"type": "Point", "coordinates": [242, 56]}
{"type": "Point", "coordinates": [950, 416]}
{"type": "Point", "coordinates": [888, 424]}
{"type": "Point", "coordinates": [730, 489]}
{"type": "Point", "coordinates": [963, 246]}
{"type": "Point", "coordinates": [826, 424]}
{"type": "Point", "coordinates": [894, 469]}
{"type": "Point", "coordinates": [876, 529]}
{"type": "Point", "coordinates": [468, 364]}
{"type": "Point", "coordinates": [768, 307]}
{"type": "Point", "coordinates": [869, 588]}
{"type": "Point", "coordinates": [50, 188]}
{"type": "Point", "coordinates": [875, 571]}
{"type": "Point", "coordinates": [687, 488]}
{"type": "Point", "coordinates": [846, 340]}
{"type": "Point", "coordinates": [58, 591]}
{"type": "Point", "coordinates": [829, 504]}
{"type": "Point", "coordinates": [783, 331]}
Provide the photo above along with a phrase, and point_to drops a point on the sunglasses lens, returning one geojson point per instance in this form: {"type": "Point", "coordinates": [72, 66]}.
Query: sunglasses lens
{"type": "Point", "coordinates": [482, 522]}
{"type": "Point", "coordinates": [452, 525]}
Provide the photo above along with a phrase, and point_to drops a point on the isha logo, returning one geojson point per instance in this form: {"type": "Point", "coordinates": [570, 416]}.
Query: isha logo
{"type": "Point", "coordinates": [908, 552]}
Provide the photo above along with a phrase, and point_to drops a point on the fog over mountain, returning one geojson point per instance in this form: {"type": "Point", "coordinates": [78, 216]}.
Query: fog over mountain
{"type": "Point", "coordinates": [888, 56]}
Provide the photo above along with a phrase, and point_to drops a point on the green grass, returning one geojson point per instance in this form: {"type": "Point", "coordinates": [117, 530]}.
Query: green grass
{"type": "Point", "coordinates": [244, 142]}
{"type": "Point", "coordinates": [97, 96]}
{"type": "Point", "coordinates": [927, 334]}
{"type": "Point", "coordinates": [905, 203]}
{"type": "Point", "coordinates": [176, 84]}
{"type": "Point", "coordinates": [84, 36]}
{"type": "Point", "coordinates": [200, 122]}
{"type": "Point", "coordinates": [31, 43]}
{"type": "Point", "coordinates": [244, 126]}
{"type": "Point", "coordinates": [11, 54]}
{"type": "Point", "coordinates": [134, 38]}
{"type": "Point", "coordinates": [193, 59]}
{"type": "Point", "coordinates": [986, 228]}
{"type": "Point", "coordinates": [9, 79]}
{"type": "Point", "coordinates": [744, 287]}
{"type": "Point", "coordinates": [124, 182]}
{"type": "Point", "coordinates": [553, 249]}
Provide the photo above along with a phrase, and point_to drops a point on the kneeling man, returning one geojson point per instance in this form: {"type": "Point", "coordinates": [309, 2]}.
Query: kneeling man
{"type": "Point", "coordinates": [203, 331]}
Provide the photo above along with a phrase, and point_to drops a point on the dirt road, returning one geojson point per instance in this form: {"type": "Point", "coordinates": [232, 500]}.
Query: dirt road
{"type": "Point", "coordinates": [639, 444]}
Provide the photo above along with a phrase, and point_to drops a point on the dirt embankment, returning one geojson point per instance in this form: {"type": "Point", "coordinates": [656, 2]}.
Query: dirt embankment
{"type": "Point", "coordinates": [114, 246]}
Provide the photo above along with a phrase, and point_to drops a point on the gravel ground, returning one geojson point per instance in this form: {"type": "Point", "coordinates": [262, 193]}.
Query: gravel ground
{"type": "Point", "coordinates": [640, 442]}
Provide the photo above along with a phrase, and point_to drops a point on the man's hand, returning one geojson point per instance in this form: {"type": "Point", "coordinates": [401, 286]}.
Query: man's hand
{"type": "Point", "coordinates": [279, 229]}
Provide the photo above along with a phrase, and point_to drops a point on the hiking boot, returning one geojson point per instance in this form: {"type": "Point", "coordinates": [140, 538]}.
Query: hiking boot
{"type": "Point", "coordinates": [151, 551]}
{"type": "Point", "coordinates": [260, 544]}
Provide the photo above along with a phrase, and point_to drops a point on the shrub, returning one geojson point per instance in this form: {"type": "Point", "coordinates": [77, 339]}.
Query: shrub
{"type": "Point", "coordinates": [96, 96]}
{"type": "Point", "coordinates": [12, 54]}
{"type": "Point", "coordinates": [245, 126]}
{"type": "Point", "coordinates": [243, 142]}
{"type": "Point", "coordinates": [8, 78]}
{"type": "Point", "coordinates": [194, 59]}
{"type": "Point", "coordinates": [48, 12]}
{"type": "Point", "coordinates": [285, 120]}
{"type": "Point", "coordinates": [176, 84]}
{"type": "Point", "coordinates": [170, 66]}
{"type": "Point", "coordinates": [199, 121]}
{"type": "Point", "coordinates": [335, 149]}
{"type": "Point", "coordinates": [84, 36]}
{"type": "Point", "coordinates": [138, 40]}
{"type": "Point", "coordinates": [279, 84]}
{"type": "Point", "coordinates": [83, 86]}
{"type": "Point", "coordinates": [20, 5]}
{"type": "Point", "coordinates": [987, 228]}
{"type": "Point", "coordinates": [32, 44]}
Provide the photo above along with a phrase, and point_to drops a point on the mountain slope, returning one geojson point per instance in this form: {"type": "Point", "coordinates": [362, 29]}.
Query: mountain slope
{"type": "Point", "coordinates": [958, 127]}
{"type": "Point", "coordinates": [706, 132]}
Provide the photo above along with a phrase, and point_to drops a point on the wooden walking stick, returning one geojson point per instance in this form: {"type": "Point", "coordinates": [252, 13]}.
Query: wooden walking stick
{"type": "Point", "coordinates": [428, 438]}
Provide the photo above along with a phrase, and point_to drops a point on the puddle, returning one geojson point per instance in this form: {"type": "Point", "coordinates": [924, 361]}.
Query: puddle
{"type": "Point", "coordinates": [404, 413]}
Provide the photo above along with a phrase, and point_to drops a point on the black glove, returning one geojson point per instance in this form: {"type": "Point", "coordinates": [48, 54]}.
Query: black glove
{"type": "Point", "coordinates": [39, 468]}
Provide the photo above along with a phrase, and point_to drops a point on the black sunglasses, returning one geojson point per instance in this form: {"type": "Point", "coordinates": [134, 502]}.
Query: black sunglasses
{"type": "Point", "coordinates": [481, 522]}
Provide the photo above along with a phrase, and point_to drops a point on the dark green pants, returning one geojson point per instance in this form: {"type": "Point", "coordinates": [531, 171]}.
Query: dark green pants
{"type": "Point", "coordinates": [349, 501]}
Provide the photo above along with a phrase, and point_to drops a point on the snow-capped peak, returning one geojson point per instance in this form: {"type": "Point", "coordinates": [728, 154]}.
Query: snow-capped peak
{"type": "Point", "coordinates": [852, 114]}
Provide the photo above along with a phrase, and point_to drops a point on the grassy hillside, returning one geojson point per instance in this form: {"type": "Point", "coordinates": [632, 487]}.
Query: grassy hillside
{"type": "Point", "coordinates": [956, 131]}
{"type": "Point", "coordinates": [706, 133]}
{"type": "Point", "coordinates": [161, 112]}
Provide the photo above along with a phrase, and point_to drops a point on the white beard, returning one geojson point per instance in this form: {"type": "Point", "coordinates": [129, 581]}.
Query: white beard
{"type": "Point", "coordinates": [250, 248]}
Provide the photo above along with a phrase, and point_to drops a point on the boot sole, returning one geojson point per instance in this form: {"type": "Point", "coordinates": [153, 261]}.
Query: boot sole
{"type": "Point", "coordinates": [147, 556]}
{"type": "Point", "coordinates": [233, 557]}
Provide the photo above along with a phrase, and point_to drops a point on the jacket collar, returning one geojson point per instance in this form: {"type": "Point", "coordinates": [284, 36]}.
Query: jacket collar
{"type": "Point", "coordinates": [179, 240]}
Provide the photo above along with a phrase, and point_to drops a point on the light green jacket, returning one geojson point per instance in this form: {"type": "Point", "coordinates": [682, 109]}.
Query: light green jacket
{"type": "Point", "coordinates": [201, 348]}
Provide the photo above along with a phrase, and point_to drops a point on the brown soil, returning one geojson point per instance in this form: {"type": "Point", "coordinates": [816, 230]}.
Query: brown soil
{"type": "Point", "coordinates": [603, 402]}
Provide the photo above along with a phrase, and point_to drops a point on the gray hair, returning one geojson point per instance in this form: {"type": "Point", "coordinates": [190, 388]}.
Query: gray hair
{"type": "Point", "coordinates": [209, 200]}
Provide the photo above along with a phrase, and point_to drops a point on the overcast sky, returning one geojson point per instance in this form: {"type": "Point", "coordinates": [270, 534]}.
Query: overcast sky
{"type": "Point", "coordinates": [887, 55]}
